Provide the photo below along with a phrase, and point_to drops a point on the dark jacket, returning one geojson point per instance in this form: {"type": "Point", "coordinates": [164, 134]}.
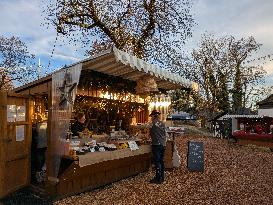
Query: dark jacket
{"type": "Point", "coordinates": [77, 127]}
{"type": "Point", "coordinates": [158, 133]}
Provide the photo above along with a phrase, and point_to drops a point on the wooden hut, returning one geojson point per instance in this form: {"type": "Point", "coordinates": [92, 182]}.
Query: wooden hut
{"type": "Point", "coordinates": [105, 81]}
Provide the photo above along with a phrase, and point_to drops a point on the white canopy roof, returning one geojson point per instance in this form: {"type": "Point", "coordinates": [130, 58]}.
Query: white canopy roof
{"type": "Point", "coordinates": [119, 63]}
{"type": "Point", "coordinates": [240, 116]}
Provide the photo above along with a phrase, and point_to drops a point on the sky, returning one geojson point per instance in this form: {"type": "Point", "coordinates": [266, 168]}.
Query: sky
{"type": "Point", "coordinates": [240, 18]}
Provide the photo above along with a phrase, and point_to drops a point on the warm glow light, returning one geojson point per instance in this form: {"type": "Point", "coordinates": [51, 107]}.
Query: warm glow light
{"type": "Point", "coordinates": [157, 104]}
{"type": "Point", "coordinates": [106, 95]}
{"type": "Point", "coordinates": [195, 87]}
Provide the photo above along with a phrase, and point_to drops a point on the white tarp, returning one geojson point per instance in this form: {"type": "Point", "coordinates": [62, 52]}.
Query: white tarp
{"type": "Point", "coordinates": [153, 70]}
{"type": "Point", "coordinates": [240, 116]}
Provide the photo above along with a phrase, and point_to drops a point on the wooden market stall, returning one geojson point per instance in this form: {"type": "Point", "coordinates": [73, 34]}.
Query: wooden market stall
{"type": "Point", "coordinates": [113, 89]}
{"type": "Point", "coordinates": [253, 129]}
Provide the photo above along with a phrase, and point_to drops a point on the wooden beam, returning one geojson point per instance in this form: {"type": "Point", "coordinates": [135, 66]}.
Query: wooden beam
{"type": "Point", "coordinates": [119, 71]}
{"type": "Point", "coordinates": [99, 64]}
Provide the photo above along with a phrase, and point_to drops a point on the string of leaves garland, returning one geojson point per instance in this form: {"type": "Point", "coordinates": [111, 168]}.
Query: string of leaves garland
{"type": "Point", "coordinates": [102, 113]}
{"type": "Point", "coordinates": [88, 103]}
{"type": "Point", "coordinates": [109, 111]}
{"type": "Point", "coordinates": [92, 80]}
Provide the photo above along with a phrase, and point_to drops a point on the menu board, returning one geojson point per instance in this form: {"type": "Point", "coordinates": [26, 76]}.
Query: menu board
{"type": "Point", "coordinates": [195, 160]}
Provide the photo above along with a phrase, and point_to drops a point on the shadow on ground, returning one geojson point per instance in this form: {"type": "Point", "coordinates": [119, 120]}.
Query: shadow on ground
{"type": "Point", "coordinates": [25, 197]}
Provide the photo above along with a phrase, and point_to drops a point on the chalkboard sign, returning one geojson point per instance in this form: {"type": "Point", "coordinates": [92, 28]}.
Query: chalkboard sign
{"type": "Point", "coordinates": [195, 160]}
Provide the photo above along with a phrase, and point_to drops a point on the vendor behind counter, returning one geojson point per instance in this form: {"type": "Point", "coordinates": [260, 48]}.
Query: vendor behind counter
{"type": "Point", "coordinates": [79, 125]}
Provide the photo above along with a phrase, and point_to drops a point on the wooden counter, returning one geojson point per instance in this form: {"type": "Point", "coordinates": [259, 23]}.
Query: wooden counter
{"type": "Point", "coordinates": [74, 178]}
{"type": "Point", "coordinates": [264, 140]}
{"type": "Point", "coordinates": [93, 170]}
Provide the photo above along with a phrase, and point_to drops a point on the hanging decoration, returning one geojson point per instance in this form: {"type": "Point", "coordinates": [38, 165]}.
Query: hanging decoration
{"type": "Point", "coordinates": [66, 91]}
{"type": "Point", "coordinates": [93, 80]}
{"type": "Point", "coordinates": [145, 85]}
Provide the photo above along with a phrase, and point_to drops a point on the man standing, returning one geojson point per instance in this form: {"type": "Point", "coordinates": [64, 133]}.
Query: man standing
{"type": "Point", "coordinates": [158, 135]}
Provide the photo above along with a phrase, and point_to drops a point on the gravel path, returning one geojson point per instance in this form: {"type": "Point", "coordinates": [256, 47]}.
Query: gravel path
{"type": "Point", "coordinates": [233, 175]}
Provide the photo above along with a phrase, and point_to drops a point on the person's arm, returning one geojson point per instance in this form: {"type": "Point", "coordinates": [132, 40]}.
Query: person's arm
{"type": "Point", "coordinates": [74, 129]}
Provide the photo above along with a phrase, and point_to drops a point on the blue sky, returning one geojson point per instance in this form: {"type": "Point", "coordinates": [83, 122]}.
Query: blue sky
{"type": "Point", "coordinates": [241, 18]}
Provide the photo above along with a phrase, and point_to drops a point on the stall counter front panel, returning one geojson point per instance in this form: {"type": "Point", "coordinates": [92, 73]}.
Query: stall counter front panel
{"type": "Point", "coordinates": [264, 140]}
{"type": "Point", "coordinates": [93, 170]}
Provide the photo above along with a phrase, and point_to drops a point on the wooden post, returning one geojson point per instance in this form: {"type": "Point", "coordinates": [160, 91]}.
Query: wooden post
{"type": "Point", "coordinates": [29, 136]}
{"type": "Point", "coordinates": [146, 113]}
{"type": "Point", "coordinates": [3, 131]}
{"type": "Point", "coordinates": [51, 180]}
{"type": "Point", "coordinates": [49, 127]}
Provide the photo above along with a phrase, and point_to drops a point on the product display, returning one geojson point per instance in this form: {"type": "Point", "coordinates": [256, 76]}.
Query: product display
{"type": "Point", "coordinates": [88, 143]}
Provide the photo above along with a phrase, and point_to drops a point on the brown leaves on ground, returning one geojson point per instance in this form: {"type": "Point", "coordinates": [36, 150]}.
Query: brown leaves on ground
{"type": "Point", "coordinates": [233, 175]}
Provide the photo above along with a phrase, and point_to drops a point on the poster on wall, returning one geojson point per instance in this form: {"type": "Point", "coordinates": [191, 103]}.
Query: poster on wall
{"type": "Point", "coordinates": [11, 113]}
{"type": "Point", "coordinates": [20, 133]}
{"type": "Point", "coordinates": [21, 113]}
{"type": "Point", "coordinates": [16, 113]}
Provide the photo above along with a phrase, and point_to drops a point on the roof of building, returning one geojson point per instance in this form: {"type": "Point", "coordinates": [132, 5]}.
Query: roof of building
{"type": "Point", "coordinates": [268, 102]}
{"type": "Point", "coordinates": [240, 116]}
{"type": "Point", "coordinates": [181, 116]}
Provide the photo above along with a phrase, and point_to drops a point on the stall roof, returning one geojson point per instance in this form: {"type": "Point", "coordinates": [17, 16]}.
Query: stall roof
{"type": "Point", "coordinates": [240, 116]}
{"type": "Point", "coordinates": [119, 63]}
{"type": "Point", "coordinates": [266, 103]}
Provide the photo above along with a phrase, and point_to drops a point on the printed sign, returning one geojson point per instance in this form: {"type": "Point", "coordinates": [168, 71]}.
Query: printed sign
{"type": "Point", "coordinates": [21, 113]}
{"type": "Point", "coordinates": [11, 113]}
{"type": "Point", "coordinates": [20, 133]}
{"type": "Point", "coordinates": [16, 113]}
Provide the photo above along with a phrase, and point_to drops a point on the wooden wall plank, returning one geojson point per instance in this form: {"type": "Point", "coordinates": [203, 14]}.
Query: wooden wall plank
{"type": "Point", "coordinates": [3, 131]}
{"type": "Point", "coordinates": [14, 154]}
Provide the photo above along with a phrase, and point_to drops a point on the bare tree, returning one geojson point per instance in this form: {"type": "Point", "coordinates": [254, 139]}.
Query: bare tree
{"type": "Point", "coordinates": [220, 68]}
{"type": "Point", "coordinates": [15, 62]}
{"type": "Point", "coordinates": [130, 25]}
{"type": "Point", "coordinates": [209, 68]}
{"type": "Point", "coordinates": [244, 76]}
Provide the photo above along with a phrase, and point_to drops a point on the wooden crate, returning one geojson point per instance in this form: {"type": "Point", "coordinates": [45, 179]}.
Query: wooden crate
{"type": "Point", "coordinates": [168, 157]}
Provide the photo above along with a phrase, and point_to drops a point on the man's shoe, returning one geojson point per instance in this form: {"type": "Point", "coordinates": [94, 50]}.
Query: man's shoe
{"type": "Point", "coordinates": [156, 181]}
{"type": "Point", "coordinates": [161, 180]}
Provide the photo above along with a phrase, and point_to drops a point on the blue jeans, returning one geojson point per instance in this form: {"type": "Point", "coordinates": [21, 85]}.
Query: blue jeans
{"type": "Point", "coordinates": [158, 157]}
